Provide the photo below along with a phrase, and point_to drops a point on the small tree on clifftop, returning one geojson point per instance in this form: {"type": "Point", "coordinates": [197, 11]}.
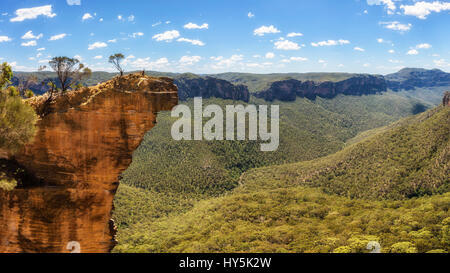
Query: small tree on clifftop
{"type": "Point", "coordinates": [70, 71]}
{"type": "Point", "coordinates": [115, 60]}
{"type": "Point", "coordinates": [6, 75]}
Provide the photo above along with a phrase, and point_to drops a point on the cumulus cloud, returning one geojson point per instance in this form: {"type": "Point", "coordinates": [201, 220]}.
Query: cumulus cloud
{"type": "Point", "coordinates": [167, 36]}
{"type": "Point", "coordinates": [391, 51]}
{"type": "Point", "coordinates": [389, 4]}
{"type": "Point", "coordinates": [74, 2]}
{"type": "Point", "coordinates": [4, 39]}
{"type": "Point", "coordinates": [265, 30]}
{"type": "Point", "coordinates": [227, 62]}
{"type": "Point", "coordinates": [58, 37]}
{"type": "Point", "coordinates": [270, 55]}
{"type": "Point", "coordinates": [359, 49]}
{"type": "Point", "coordinates": [286, 45]}
{"type": "Point", "coordinates": [112, 41]}
{"type": "Point", "coordinates": [194, 42]}
{"type": "Point", "coordinates": [97, 45]}
{"type": "Point", "coordinates": [136, 34]}
{"type": "Point", "coordinates": [195, 26]}
{"type": "Point", "coordinates": [295, 59]}
{"type": "Point", "coordinates": [412, 52]}
{"type": "Point", "coordinates": [423, 46]}
{"type": "Point", "coordinates": [41, 49]}
{"type": "Point", "coordinates": [30, 36]}
{"type": "Point", "coordinates": [87, 16]}
{"type": "Point", "coordinates": [395, 25]}
{"type": "Point", "coordinates": [331, 43]}
{"type": "Point", "coordinates": [146, 63]}
{"type": "Point", "coordinates": [250, 15]}
{"type": "Point", "coordinates": [422, 9]}
{"type": "Point", "coordinates": [30, 43]}
{"type": "Point", "coordinates": [294, 34]}
{"type": "Point", "coordinates": [33, 13]}
{"type": "Point", "coordinates": [99, 57]}
{"type": "Point", "coordinates": [190, 60]}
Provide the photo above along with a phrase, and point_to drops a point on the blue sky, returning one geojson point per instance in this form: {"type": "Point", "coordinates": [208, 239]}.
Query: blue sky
{"type": "Point", "coordinates": [213, 36]}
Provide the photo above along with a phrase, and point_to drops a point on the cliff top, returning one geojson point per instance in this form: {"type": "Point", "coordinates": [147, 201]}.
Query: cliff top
{"type": "Point", "coordinates": [129, 83]}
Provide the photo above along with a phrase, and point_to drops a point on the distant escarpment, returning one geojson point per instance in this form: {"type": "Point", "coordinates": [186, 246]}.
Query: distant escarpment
{"type": "Point", "coordinates": [207, 87]}
{"type": "Point", "coordinates": [289, 90]}
{"type": "Point", "coordinates": [411, 78]}
{"type": "Point", "coordinates": [84, 140]}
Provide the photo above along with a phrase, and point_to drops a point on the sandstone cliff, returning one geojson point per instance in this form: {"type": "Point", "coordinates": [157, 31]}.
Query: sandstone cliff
{"type": "Point", "coordinates": [85, 140]}
{"type": "Point", "coordinates": [289, 90]}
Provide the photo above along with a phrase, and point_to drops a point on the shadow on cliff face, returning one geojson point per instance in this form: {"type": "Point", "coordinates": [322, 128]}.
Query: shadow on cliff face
{"type": "Point", "coordinates": [25, 179]}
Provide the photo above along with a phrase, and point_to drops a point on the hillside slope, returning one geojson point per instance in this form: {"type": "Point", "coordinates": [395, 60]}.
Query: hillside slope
{"type": "Point", "coordinates": [178, 174]}
{"type": "Point", "coordinates": [275, 210]}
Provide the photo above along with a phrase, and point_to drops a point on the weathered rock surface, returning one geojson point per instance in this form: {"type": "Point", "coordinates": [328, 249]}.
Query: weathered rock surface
{"type": "Point", "coordinates": [83, 143]}
{"type": "Point", "coordinates": [289, 90]}
{"type": "Point", "coordinates": [446, 100]}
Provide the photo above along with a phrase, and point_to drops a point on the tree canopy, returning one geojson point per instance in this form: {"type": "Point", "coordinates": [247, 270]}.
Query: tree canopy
{"type": "Point", "coordinates": [115, 60]}
{"type": "Point", "coordinates": [69, 70]}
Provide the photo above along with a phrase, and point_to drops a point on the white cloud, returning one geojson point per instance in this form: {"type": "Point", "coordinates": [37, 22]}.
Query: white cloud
{"type": "Point", "coordinates": [412, 52]}
{"type": "Point", "coordinates": [145, 63]}
{"type": "Point", "coordinates": [38, 55]}
{"type": "Point", "coordinates": [99, 57]}
{"type": "Point", "coordinates": [389, 4]}
{"type": "Point", "coordinates": [194, 42]}
{"type": "Point", "coordinates": [78, 57]}
{"type": "Point", "coordinates": [423, 46]}
{"type": "Point", "coordinates": [250, 15]}
{"type": "Point", "coordinates": [294, 34]}
{"type": "Point", "coordinates": [441, 63]}
{"type": "Point", "coordinates": [366, 65]}
{"type": "Point", "coordinates": [137, 34]}
{"type": "Point", "coordinates": [295, 59]}
{"type": "Point", "coordinates": [5, 39]}
{"type": "Point", "coordinates": [380, 40]}
{"type": "Point", "coordinates": [58, 37]}
{"type": "Point", "coordinates": [222, 62]}
{"type": "Point", "coordinates": [270, 55]}
{"type": "Point", "coordinates": [286, 45]}
{"type": "Point", "coordinates": [265, 30]}
{"type": "Point", "coordinates": [100, 20]}
{"type": "Point", "coordinates": [359, 49]}
{"type": "Point", "coordinates": [97, 45]}
{"type": "Point", "coordinates": [422, 9]}
{"type": "Point", "coordinates": [131, 18]}
{"type": "Point", "coordinates": [30, 43]}
{"type": "Point", "coordinates": [391, 51]}
{"type": "Point", "coordinates": [157, 24]}
{"type": "Point", "coordinates": [195, 26]}
{"type": "Point", "coordinates": [167, 36]}
{"type": "Point", "coordinates": [86, 16]}
{"type": "Point", "coordinates": [74, 2]}
{"type": "Point", "coordinates": [33, 13]}
{"type": "Point", "coordinates": [112, 41]}
{"type": "Point", "coordinates": [41, 49]}
{"type": "Point", "coordinates": [190, 60]}
{"type": "Point", "coordinates": [331, 43]}
{"type": "Point", "coordinates": [29, 35]}
{"type": "Point", "coordinates": [395, 25]}
{"type": "Point", "coordinates": [120, 17]}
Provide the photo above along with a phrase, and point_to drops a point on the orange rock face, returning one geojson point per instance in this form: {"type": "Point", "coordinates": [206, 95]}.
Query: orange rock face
{"type": "Point", "coordinates": [83, 144]}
